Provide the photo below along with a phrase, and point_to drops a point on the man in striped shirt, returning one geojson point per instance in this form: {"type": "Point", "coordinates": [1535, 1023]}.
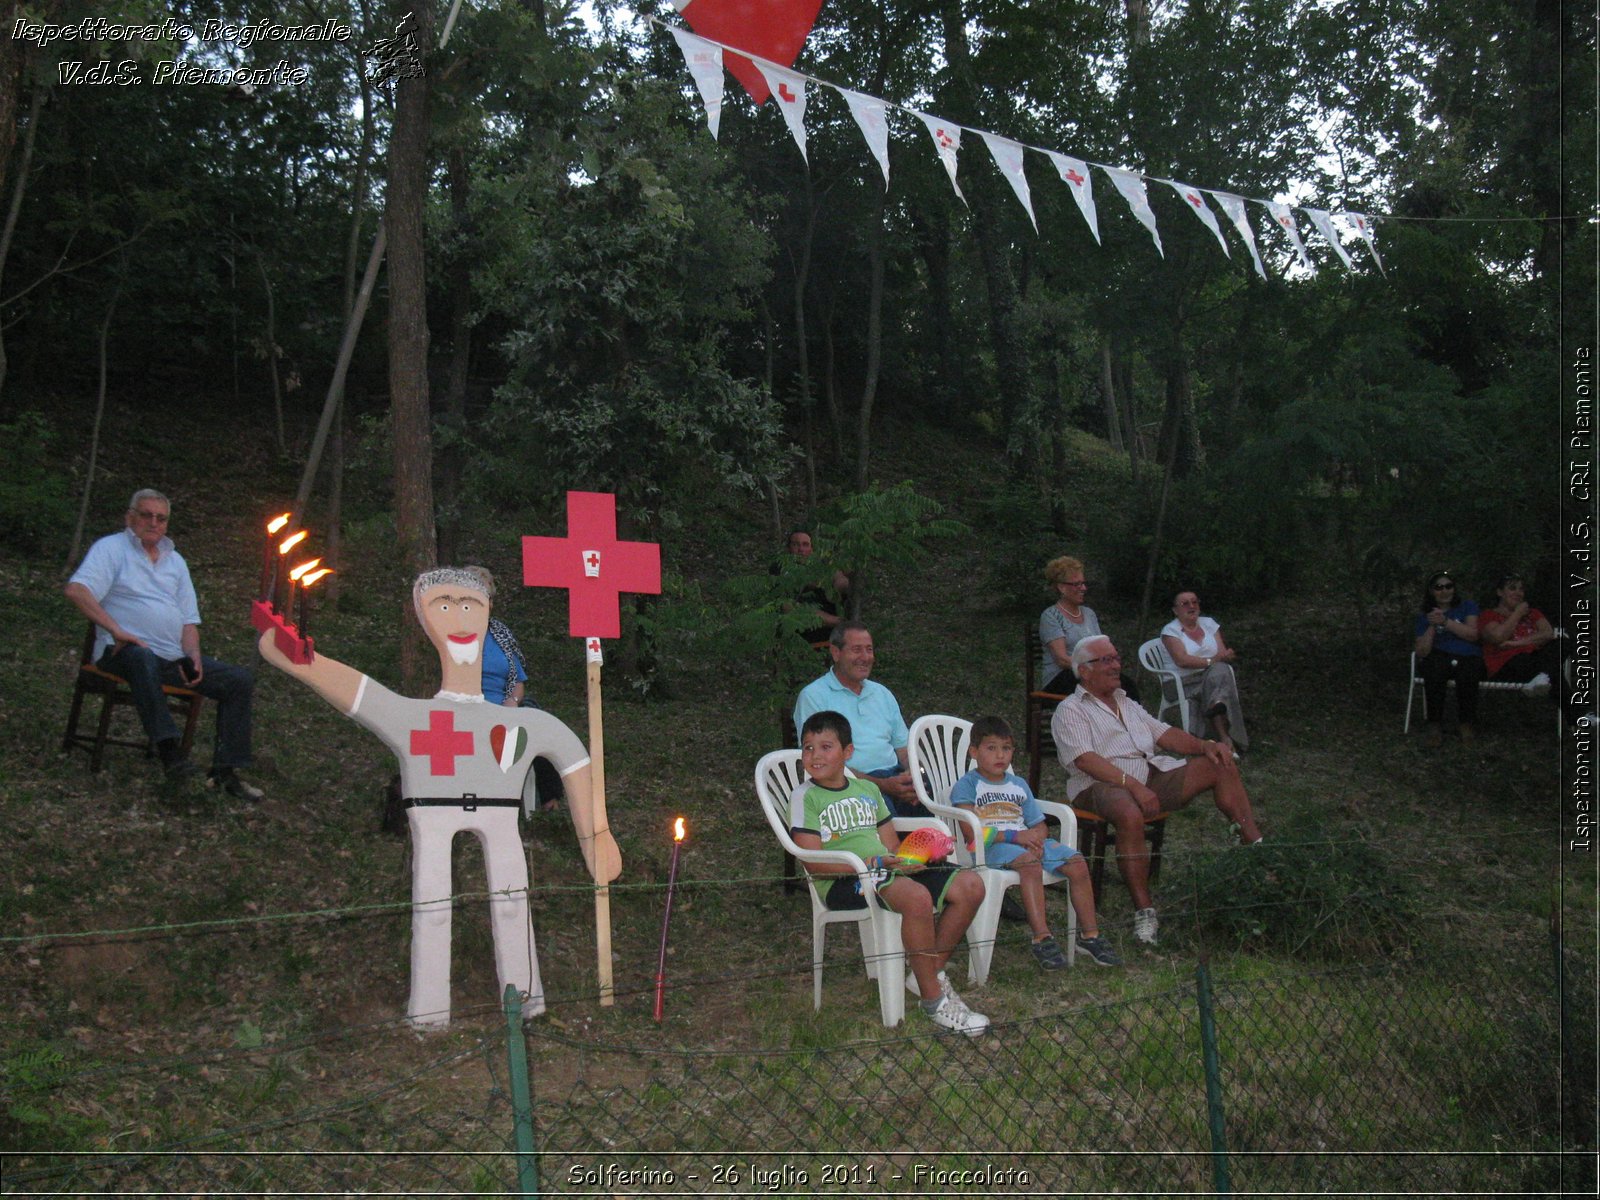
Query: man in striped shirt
{"type": "Point", "coordinates": [1111, 748]}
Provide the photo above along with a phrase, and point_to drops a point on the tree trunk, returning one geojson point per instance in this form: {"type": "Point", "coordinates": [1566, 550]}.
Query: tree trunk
{"type": "Point", "coordinates": [1015, 381]}
{"type": "Point", "coordinates": [347, 348]}
{"type": "Point", "coordinates": [1109, 395]}
{"type": "Point", "coordinates": [869, 386]}
{"type": "Point", "coordinates": [272, 353]}
{"type": "Point", "coordinates": [453, 418]}
{"type": "Point", "coordinates": [408, 345]}
{"type": "Point", "coordinates": [16, 194]}
{"type": "Point", "coordinates": [802, 272]}
{"type": "Point", "coordinates": [94, 431]}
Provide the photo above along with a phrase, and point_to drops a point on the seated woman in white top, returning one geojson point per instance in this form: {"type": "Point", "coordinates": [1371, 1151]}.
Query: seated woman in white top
{"type": "Point", "coordinates": [1205, 660]}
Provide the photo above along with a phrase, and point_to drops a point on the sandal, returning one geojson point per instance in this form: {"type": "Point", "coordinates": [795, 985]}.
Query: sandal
{"type": "Point", "coordinates": [1048, 955]}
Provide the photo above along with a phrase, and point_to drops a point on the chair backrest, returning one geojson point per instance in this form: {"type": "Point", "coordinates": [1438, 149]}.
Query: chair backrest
{"type": "Point", "coordinates": [1153, 657]}
{"type": "Point", "coordinates": [1033, 650]}
{"type": "Point", "coordinates": [939, 754]}
{"type": "Point", "coordinates": [777, 775]}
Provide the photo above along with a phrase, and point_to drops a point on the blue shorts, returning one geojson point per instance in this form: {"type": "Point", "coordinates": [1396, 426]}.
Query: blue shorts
{"type": "Point", "coordinates": [1055, 857]}
{"type": "Point", "coordinates": [844, 893]}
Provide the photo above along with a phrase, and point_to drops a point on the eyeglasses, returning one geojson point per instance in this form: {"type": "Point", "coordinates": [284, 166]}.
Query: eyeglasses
{"type": "Point", "coordinates": [1075, 583]}
{"type": "Point", "coordinates": [1444, 587]}
{"type": "Point", "coordinates": [158, 518]}
{"type": "Point", "coordinates": [1102, 660]}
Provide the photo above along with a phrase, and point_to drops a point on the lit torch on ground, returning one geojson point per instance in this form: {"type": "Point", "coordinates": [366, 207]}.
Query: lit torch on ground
{"type": "Point", "coordinates": [679, 830]}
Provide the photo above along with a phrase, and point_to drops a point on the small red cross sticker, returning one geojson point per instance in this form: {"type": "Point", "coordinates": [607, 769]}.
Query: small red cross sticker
{"type": "Point", "coordinates": [1073, 177]}
{"type": "Point", "coordinates": [944, 139]}
{"type": "Point", "coordinates": [441, 742]}
{"type": "Point", "coordinates": [592, 565]}
{"type": "Point", "coordinates": [1192, 199]}
{"type": "Point", "coordinates": [785, 94]}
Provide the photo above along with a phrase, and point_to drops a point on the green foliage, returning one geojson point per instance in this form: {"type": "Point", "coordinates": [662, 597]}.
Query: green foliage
{"type": "Point", "coordinates": [1305, 893]}
{"type": "Point", "coordinates": [31, 1121]}
{"type": "Point", "coordinates": [881, 527]}
{"type": "Point", "coordinates": [35, 508]}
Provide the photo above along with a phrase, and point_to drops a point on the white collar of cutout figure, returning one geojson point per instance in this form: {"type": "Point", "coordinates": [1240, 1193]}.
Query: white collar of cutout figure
{"type": "Point", "coordinates": [461, 697]}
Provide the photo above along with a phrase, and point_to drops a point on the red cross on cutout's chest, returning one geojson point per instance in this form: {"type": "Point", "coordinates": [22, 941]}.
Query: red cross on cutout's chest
{"type": "Point", "coordinates": [592, 565]}
{"type": "Point", "coordinates": [441, 742]}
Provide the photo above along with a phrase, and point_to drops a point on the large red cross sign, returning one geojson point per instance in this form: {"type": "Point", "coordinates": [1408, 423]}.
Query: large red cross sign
{"type": "Point", "coordinates": [592, 565]}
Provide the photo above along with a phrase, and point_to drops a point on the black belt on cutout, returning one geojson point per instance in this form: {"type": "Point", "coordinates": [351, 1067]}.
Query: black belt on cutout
{"type": "Point", "coordinates": [469, 802]}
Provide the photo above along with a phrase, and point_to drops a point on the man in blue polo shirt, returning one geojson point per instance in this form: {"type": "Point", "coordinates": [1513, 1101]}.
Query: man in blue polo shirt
{"type": "Point", "coordinates": [137, 589]}
{"type": "Point", "coordinates": [880, 732]}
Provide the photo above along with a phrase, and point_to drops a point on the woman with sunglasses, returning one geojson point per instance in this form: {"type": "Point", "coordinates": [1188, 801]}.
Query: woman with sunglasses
{"type": "Point", "coordinates": [1066, 623]}
{"type": "Point", "coordinates": [1447, 648]}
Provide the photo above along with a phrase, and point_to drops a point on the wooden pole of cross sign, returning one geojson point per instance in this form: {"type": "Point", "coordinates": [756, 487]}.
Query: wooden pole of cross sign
{"type": "Point", "coordinates": [596, 569]}
{"type": "Point", "coordinates": [597, 805]}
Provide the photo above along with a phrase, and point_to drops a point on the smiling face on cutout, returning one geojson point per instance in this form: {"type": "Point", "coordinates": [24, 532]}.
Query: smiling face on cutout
{"type": "Point", "coordinates": [456, 619]}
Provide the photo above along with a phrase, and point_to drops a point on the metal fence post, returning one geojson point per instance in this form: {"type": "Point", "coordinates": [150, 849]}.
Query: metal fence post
{"type": "Point", "coordinates": [1213, 1069]}
{"type": "Point", "coordinates": [521, 1101]}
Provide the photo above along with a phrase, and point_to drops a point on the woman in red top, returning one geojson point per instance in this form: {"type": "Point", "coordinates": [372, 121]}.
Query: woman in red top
{"type": "Point", "coordinates": [1518, 644]}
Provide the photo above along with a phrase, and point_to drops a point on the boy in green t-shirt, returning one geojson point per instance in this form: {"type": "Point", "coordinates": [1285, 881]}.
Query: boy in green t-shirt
{"type": "Point", "coordinates": [936, 903]}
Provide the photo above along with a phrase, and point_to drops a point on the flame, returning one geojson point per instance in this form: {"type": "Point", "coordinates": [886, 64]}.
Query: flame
{"type": "Point", "coordinates": [289, 543]}
{"type": "Point", "coordinates": [679, 830]}
{"type": "Point", "coordinates": [308, 565]}
{"type": "Point", "coordinates": [278, 522]}
{"type": "Point", "coordinates": [308, 580]}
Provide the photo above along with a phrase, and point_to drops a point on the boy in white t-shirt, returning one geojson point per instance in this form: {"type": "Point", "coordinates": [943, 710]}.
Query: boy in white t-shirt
{"type": "Point", "coordinates": [1006, 805]}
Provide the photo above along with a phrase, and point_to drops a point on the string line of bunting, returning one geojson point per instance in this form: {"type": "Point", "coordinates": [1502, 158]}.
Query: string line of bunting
{"type": "Point", "coordinates": [761, 77]}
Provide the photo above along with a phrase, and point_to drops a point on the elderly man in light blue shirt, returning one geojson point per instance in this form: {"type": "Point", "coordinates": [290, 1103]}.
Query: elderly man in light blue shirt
{"type": "Point", "coordinates": [880, 733]}
{"type": "Point", "coordinates": [135, 586]}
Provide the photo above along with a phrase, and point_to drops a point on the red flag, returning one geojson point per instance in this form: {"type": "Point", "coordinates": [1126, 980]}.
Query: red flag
{"type": "Point", "coordinates": [773, 29]}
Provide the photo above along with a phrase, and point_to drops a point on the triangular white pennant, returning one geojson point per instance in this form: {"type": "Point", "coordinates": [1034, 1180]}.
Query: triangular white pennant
{"type": "Point", "coordinates": [705, 64]}
{"type": "Point", "coordinates": [1282, 214]}
{"type": "Point", "coordinates": [1074, 173]}
{"type": "Point", "coordinates": [789, 93]}
{"type": "Point", "coordinates": [1132, 189]}
{"type": "Point", "coordinates": [1362, 224]}
{"type": "Point", "coordinates": [1319, 218]}
{"type": "Point", "coordinates": [947, 141]}
{"type": "Point", "coordinates": [871, 115]}
{"type": "Point", "coordinates": [1233, 208]}
{"type": "Point", "coordinates": [1008, 157]}
{"type": "Point", "coordinates": [1193, 200]}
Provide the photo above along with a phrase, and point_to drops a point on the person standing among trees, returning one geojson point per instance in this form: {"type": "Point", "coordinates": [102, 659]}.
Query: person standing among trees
{"type": "Point", "coordinates": [813, 596]}
{"type": "Point", "coordinates": [136, 587]}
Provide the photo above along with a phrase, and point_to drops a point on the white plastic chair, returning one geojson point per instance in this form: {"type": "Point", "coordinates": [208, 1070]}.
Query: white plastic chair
{"type": "Point", "coordinates": [940, 755]}
{"type": "Point", "coordinates": [1153, 657]}
{"type": "Point", "coordinates": [777, 775]}
{"type": "Point", "coordinates": [1488, 685]}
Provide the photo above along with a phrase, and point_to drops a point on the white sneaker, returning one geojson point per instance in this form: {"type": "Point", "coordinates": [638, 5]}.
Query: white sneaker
{"type": "Point", "coordinates": [915, 989]}
{"type": "Point", "coordinates": [954, 1015]}
{"type": "Point", "coordinates": [1145, 926]}
{"type": "Point", "coordinates": [1539, 685]}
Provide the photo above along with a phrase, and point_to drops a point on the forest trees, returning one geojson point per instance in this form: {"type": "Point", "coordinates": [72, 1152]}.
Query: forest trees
{"type": "Point", "coordinates": [615, 298]}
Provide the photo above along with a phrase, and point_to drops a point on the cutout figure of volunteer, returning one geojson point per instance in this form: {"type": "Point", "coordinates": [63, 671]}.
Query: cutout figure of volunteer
{"type": "Point", "coordinates": [462, 765]}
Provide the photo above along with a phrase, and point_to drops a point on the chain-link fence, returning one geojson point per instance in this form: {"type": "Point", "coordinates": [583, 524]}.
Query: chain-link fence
{"type": "Point", "coordinates": [1414, 1075]}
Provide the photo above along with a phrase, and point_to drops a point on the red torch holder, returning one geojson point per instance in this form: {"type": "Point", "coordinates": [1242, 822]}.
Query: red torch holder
{"type": "Point", "coordinates": [300, 650]}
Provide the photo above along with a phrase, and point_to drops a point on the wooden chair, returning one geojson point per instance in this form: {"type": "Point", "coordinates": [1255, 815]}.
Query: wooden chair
{"type": "Point", "coordinates": [1097, 841]}
{"type": "Point", "coordinates": [113, 690]}
{"type": "Point", "coordinates": [1039, 707]}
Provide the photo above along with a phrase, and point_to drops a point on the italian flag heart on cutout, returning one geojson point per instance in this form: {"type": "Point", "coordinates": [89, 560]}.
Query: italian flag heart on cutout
{"type": "Point", "coordinates": [508, 745]}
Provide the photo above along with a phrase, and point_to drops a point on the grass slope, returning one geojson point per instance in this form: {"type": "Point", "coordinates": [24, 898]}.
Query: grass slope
{"type": "Point", "coordinates": [286, 996]}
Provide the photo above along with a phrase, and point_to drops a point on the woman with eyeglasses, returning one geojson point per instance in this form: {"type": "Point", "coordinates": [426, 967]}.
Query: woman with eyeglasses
{"type": "Point", "coordinates": [1205, 661]}
{"type": "Point", "coordinates": [1447, 648]}
{"type": "Point", "coordinates": [1066, 623]}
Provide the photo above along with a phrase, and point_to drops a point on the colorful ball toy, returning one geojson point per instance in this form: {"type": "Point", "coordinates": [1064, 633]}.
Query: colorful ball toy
{"type": "Point", "coordinates": [926, 845]}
